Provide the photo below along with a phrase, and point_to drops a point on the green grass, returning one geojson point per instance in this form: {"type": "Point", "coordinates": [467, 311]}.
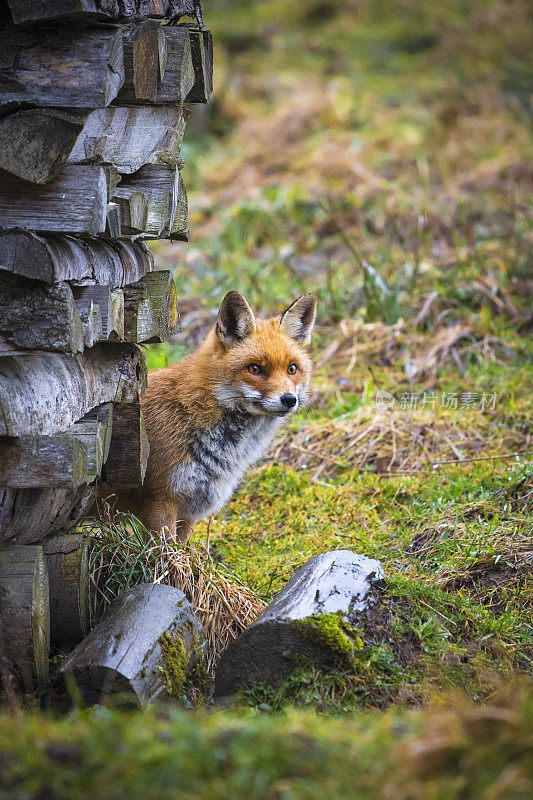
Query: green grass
{"type": "Point", "coordinates": [455, 609]}
{"type": "Point", "coordinates": [451, 752]}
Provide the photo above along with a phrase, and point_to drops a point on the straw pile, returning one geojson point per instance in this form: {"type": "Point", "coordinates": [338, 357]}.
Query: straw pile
{"type": "Point", "coordinates": [124, 554]}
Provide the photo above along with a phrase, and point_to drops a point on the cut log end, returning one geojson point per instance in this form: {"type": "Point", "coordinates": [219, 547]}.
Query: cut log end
{"type": "Point", "coordinates": [68, 572]}
{"type": "Point", "coordinates": [309, 621]}
{"type": "Point", "coordinates": [24, 613]}
{"type": "Point", "coordinates": [140, 652]}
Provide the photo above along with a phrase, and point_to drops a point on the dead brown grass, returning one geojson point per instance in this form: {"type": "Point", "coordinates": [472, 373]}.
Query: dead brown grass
{"type": "Point", "coordinates": [390, 442]}
{"type": "Point", "coordinates": [416, 355]}
{"type": "Point", "coordinates": [124, 554]}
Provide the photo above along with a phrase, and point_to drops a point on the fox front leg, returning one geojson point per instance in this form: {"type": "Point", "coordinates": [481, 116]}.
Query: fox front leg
{"type": "Point", "coordinates": [160, 512]}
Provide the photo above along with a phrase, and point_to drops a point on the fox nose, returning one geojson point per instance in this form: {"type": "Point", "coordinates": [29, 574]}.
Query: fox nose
{"type": "Point", "coordinates": [289, 400]}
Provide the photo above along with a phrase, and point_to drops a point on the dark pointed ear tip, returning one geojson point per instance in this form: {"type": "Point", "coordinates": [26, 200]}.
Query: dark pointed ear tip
{"type": "Point", "coordinates": [232, 296]}
{"type": "Point", "coordinates": [309, 297]}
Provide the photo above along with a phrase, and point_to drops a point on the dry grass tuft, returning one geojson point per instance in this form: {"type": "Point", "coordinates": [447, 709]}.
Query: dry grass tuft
{"type": "Point", "coordinates": [124, 554]}
{"type": "Point", "coordinates": [418, 355]}
{"type": "Point", "coordinates": [391, 442]}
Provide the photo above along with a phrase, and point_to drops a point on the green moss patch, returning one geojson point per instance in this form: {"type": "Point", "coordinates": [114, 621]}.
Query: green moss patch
{"type": "Point", "coordinates": [175, 663]}
{"type": "Point", "coordinates": [332, 635]}
{"type": "Point", "coordinates": [184, 682]}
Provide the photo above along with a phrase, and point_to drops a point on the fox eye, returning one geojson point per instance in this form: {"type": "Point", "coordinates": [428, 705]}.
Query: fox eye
{"type": "Point", "coordinates": [254, 369]}
{"type": "Point", "coordinates": [292, 369]}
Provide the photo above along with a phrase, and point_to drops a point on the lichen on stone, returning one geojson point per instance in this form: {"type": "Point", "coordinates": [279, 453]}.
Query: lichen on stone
{"type": "Point", "coordinates": [174, 661]}
{"type": "Point", "coordinates": [188, 684]}
{"type": "Point", "coordinates": [332, 634]}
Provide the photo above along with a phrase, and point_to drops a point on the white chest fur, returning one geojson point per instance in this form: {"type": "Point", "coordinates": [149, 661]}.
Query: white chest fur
{"type": "Point", "coordinates": [218, 458]}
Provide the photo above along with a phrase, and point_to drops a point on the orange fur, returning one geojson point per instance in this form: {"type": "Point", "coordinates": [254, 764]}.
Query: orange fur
{"type": "Point", "coordinates": [181, 400]}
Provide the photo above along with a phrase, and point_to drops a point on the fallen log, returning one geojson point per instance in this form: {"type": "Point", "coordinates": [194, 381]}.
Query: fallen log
{"type": "Point", "coordinates": [158, 66]}
{"type": "Point", "coordinates": [140, 652]}
{"type": "Point", "coordinates": [30, 515]}
{"type": "Point", "coordinates": [75, 201]}
{"type": "Point", "coordinates": [52, 258]}
{"type": "Point", "coordinates": [41, 10]}
{"type": "Point", "coordinates": [67, 66]}
{"type": "Point", "coordinates": [153, 201]}
{"type": "Point", "coordinates": [24, 613]}
{"type": "Point", "coordinates": [151, 308]}
{"type": "Point", "coordinates": [310, 620]}
{"type": "Point", "coordinates": [45, 393]}
{"type": "Point", "coordinates": [129, 450]}
{"type": "Point", "coordinates": [68, 579]}
{"type": "Point", "coordinates": [34, 316]}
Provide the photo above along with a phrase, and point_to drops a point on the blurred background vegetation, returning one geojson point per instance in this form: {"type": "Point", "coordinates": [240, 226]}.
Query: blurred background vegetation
{"type": "Point", "coordinates": [343, 133]}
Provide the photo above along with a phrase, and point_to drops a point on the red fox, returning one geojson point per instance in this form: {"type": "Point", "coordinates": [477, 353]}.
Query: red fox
{"type": "Point", "coordinates": [214, 413]}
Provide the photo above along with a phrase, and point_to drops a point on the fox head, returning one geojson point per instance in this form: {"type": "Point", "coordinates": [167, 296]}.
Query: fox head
{"type": "Point", "coordinates": [262, 365]}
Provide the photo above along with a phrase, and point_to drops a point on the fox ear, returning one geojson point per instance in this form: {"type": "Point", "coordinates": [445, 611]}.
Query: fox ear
{"type": "Point", "coordinates": [235, 319]}
{"type": "Point", "coordinates": [299, 319]}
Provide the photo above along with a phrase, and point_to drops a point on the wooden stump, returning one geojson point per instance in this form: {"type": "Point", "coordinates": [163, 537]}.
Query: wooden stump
{"type": "Point", "coordinates": [24, 613]}
{"type": "Point", "coordinates": [308, 621]}
{"type": "Point", "coordinates": [140, 652]}
{"type": "Point", "coordinates": [68, 577]}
